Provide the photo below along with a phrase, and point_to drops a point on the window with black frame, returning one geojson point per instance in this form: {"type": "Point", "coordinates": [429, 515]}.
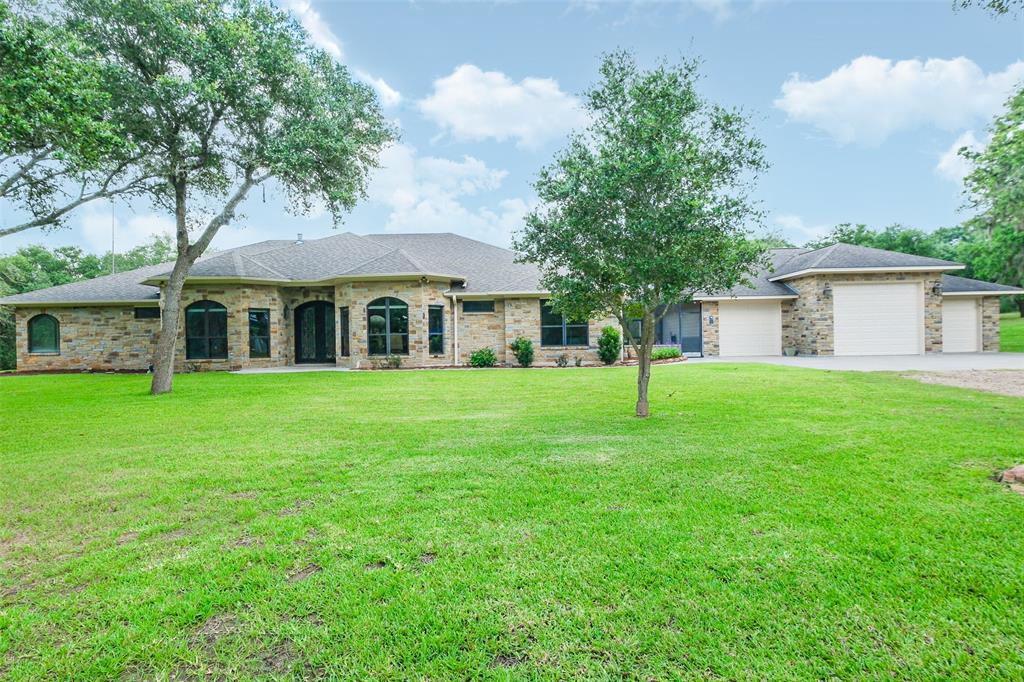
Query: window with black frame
{"type": "Point", "coordinates": [259, 333]}
{"type": "Point", "coordinates": [343, 324]}
{"type": "Point", "coordinates": [206, 331]}
{"type": "Point", "coordinates": [555, 330]}
{"type": "Point", "coordinates": [435, 326]}
{"type": "Point", "coordinates": [387, 326]}
{"type": "Point", "coordinates": [44, 334]}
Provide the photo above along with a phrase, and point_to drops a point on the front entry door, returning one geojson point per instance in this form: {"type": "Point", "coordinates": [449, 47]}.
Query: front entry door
{"type": "Point", "coordinates": [314, 332]}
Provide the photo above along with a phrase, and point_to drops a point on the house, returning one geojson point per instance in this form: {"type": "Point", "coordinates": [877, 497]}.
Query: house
{"type": "Point", "coordinates": [433, 299]}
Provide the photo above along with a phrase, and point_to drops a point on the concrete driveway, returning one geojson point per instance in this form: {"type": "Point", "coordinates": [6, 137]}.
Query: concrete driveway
{"type": "Point", "coordinates": [934, 362]}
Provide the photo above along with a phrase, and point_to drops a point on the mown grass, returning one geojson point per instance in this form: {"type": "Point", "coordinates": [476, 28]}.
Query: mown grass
{"type": "Point", "coordinates": [1011, 333]}
{"type": "Point", "coordinates": [764, 523]}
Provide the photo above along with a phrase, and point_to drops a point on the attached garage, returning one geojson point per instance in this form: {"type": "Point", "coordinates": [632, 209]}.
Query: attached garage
{"type": "Point", "coordinates": [883, 318]}
{"type": "Point", "coordinates": [961, 325]}
{"type": "Point", "coordinates": [750, 328]}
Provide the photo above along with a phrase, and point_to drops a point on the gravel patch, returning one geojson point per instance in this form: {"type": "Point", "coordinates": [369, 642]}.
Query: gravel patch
{"type": "Point", "coordinates": [1002, 381]}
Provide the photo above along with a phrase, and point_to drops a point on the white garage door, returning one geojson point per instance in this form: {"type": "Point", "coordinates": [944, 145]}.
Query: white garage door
{"type": "Point", "coordinates": [750, 328]}
{"type": "Point", "coordinates": [878, 319]}
{"type": "Point", "coordinates": [961, 325]}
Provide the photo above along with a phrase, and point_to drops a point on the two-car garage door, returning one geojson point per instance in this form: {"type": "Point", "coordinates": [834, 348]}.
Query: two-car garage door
{"type": "Point", "coordinates": [883, 318]}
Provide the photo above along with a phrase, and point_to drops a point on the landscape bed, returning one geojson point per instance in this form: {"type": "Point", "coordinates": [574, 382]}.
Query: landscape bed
{"type": "Point", "coordinates": [765, 522]}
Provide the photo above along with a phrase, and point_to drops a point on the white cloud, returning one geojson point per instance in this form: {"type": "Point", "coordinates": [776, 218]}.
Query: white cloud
{"type": "Point", "coordinates": [720, 10]}
{"type": "Point", "coordinates": [471, 104]}
{"type": "Point", "coordinates": [130, 229]}
{"type": "Point", "coordinates": [951, 165]}
{"type": "Point", "coordinates": [389, 97]}
{"type": "Point", "coordinates": [871, 98]}
{"type": "Point", "coordinates": [796, 230]}
{"type": "Point", "coordinates": [425, 194]}
{"type": "Point", "coordinates": [319, 31]}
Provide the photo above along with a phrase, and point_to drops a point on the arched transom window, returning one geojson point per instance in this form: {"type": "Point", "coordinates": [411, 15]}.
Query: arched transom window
{"type": "Point", "coordinates": [206, 331]}
{"type": "Point", "coordinates": [387, 326]}
{"type": "Point", "coordinates": [43, 334]}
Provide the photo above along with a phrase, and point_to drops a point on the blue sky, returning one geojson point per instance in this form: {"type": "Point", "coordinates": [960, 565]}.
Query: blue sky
{"type": "Point", "coordinates": [859, 104]}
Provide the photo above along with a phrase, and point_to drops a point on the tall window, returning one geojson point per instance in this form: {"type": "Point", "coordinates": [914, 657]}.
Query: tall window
{"type": "Point", "coordinates": [435, 325]}
{"type": "Point", "coordinates": [387, 326]}
{"type": "Point", "coordinates": [259, 333]}
{"type": "Point", "coordinates": [555, 330]}
{"type": "Point", "coordinates": [43, 334]}
{"type": "Point", "coordinates": [343, 322]}
{"type": "Point", "coordinates": [206, 331]}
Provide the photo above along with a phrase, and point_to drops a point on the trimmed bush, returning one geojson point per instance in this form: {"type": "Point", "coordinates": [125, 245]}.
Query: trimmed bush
{"type": "Point", "coordinates": [608, 345]}
{"type": "Point", "coordinates": [562, 360]}
{"type": "Point", "coordinates": [485, 357]}
{"type": "Point", "coordinates": [665, 353]}
{"type": "Point", "coordinates": [388, 362]}
{"type": "Point", "coordinates": [522, 348]}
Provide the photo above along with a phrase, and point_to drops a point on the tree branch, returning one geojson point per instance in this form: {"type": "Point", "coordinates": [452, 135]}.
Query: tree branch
{"type": "Point", "coordinates": [21, 172]}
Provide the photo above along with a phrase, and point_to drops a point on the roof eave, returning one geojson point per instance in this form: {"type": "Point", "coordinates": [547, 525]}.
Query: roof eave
{"type": "Point", "coordinates": [158, 281]}
{"type": "Point", "coordinates": [83, 304]}
{"type": "Point", "coordinates": [883, 269]}
{"type": "Point", "coordinates": [749, 297]}
{"type": "Point", "coordinates": [985, 292]}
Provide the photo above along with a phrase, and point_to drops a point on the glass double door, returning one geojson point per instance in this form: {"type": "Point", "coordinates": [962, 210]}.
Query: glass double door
{"type": "Point", "coordinates": [314, 332]}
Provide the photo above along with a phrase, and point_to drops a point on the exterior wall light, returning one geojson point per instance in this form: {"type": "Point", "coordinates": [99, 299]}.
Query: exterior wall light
{"type": "Point", "coordinates": [286, 311]}
{"type": "Point", "coordinates": [937, 289]}
{"type": "Point", "coordinates": [826, 291]}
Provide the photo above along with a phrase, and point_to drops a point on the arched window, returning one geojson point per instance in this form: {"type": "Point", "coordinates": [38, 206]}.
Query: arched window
{"type": "Point", "coordinates": [206, 331]}
{"type": "Point", "coordinates": [43, 334]}
{"type": "Point", "coordinates": [387, 326]}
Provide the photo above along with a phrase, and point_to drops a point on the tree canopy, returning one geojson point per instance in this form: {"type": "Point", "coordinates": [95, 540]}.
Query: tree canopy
{"type": "Point", "coordinates": [648, 205]}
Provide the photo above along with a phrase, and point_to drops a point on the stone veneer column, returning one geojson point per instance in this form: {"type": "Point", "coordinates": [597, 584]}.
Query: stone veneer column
{"type": "Point", "coordinates": [709, 309]}
{"type": "Point", "coordinates": [990, 324]}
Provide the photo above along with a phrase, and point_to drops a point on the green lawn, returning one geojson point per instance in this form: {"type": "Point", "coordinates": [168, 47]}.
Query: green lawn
{"type": "Point", "coordinates": [1011, 333]}
{"type": "Point", "coordinates": [766, 522]}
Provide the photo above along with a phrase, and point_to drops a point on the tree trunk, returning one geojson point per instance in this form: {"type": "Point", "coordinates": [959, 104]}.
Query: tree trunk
{"type": "Point", "coordinates": [1020, 305]}
{"type": "Point", "coordinates": [644, 367]}
{"type": "Point", "coordinates": [163, 360]}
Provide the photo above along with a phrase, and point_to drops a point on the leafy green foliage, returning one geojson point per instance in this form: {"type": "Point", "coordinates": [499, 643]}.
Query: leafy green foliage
{"type": "Point", "coordinates": [562, 360]}
{"type": "Point", "coordinates": [388, 362]}
{"type": "Point", "coordinates": [36, 267]}
{"type": "Point", "coordinates": [895, 237]}
{"type": "Point", "coordinates": [609, 345]}
{"type": "Point", "coordinates": [647, 205]}
{"type": "Point", "coordinates": [665, 353]}
{"type": "Point", "coordinates": [522, 348]}
{"type": "Point", "coordinates": [996, 190]}
{"type": "Point", "coordinates": [217, 97]}
{"type": "Point", "coordinates": [484, 357]}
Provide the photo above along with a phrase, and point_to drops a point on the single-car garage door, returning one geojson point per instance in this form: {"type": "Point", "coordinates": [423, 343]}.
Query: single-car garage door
{"type": "Point", "coordinates": [749, 328]}
{"type": "Point", "coordinates": [961, 325]}
{"type": "Point", "coordinates": [878, 319]}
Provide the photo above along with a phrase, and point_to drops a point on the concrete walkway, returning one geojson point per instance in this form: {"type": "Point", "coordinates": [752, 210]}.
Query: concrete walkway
{"type": "Point", "coordinates": [291, 369]}
{"type": "Point", "coordinates": [934, 362]}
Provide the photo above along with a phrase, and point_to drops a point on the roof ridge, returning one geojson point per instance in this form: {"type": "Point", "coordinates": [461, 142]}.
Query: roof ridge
{"type": "Point", "coordinates": [265, 267]}
{"type": "Point", "coordinates": [377, 258]}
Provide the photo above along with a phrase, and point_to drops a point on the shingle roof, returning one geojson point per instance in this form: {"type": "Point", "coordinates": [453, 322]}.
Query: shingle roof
{"type": "Point", "coordinates": [952, 284]}
{"type": "Point", "coordinates": [844, 256]}
{"type": "Point", "coordinates": [474, 267]}
{"type": "Point", "coordinates": [760, 286]}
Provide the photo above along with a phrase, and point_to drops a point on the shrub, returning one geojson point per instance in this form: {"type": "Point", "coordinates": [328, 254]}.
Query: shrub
{"type": "Point", "coordinates": [562, 360]}
{"type": "Point", "coordinates": [608, 345]}
{"type": "Point", "coordinates": [388, 362]}
{"type": "Point", "coordinates": [522, 348]}
{"type": "Point", "coordinates": [485, 357]}
{"type": "Point", "coordinates": [578, 360]}
{"type": "Point", "coordinates": [665, 353]}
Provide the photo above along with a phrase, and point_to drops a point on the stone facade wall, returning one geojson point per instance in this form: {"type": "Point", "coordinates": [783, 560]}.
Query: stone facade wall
{"type": "Point", "coordinates": [522, 318]}
{"type": "Point", "coordinates": [808, 323]}
{"type": "Point", "coordinates": [419, 296]}
{"type": "Point", "coordinates": [96, 338]}
{"type": "Point", "coordinates": [238, 299]}
{"type": "Point", "coordinates": [709, 311]}
{"type": "Point", "coordinates": [483, 330]}
{"type": "Point", "coordinates": [990, 324]}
